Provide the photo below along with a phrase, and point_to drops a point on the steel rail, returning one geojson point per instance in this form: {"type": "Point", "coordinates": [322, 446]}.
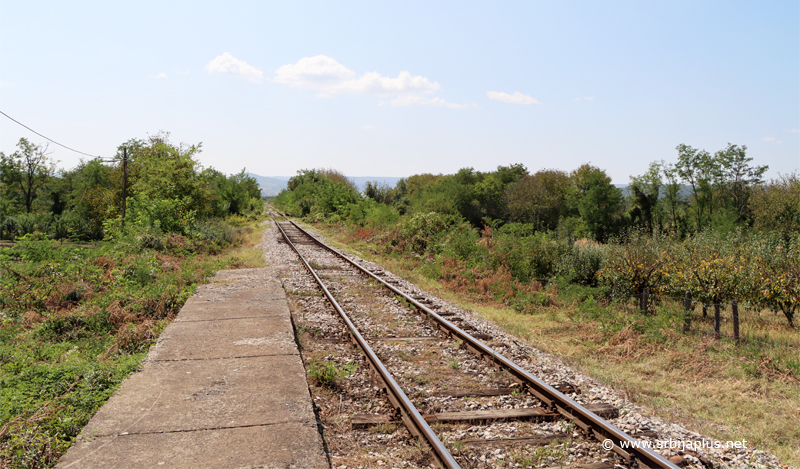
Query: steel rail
{"type": "Point", "coordinates": [585, 419]}
{"type": "Point", "coordinates": [413, 420]}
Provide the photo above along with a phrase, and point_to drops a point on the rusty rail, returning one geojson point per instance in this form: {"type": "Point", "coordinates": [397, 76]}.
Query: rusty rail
{"type": "Point", "coordinates": [413, 420]}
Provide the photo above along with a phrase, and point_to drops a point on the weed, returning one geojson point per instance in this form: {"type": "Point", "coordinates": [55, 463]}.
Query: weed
{"type": "Point", "coordinates": [453, 363]}
{"type": "Point", "coordinates": [329, 374]}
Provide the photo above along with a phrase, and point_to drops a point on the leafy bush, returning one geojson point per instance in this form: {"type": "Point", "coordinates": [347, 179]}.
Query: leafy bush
{"type": "Point", "coordinates": [36, 247]}
{"type": "Point", "coordinates": [581, 263]}
{"type": "Point", "coordinates": [426, 232]}
{"type": "Point", "coordinates": [529, 255]}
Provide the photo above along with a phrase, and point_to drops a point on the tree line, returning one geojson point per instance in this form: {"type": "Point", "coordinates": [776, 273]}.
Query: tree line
{"type": "Point", "coordinates": [699, 190]}
{"type": "Point", "coordinates": [167, 191]}
{"type": "Point", "coordinates": [705, 223]}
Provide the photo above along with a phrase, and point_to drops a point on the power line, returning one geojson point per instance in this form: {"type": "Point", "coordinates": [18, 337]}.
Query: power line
{"type": "Point", "coordinates": [48, 138]}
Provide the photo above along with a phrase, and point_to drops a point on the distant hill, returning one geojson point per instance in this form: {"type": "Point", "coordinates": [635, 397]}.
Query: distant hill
{"type": "Point", "coordinates": [272, 185]}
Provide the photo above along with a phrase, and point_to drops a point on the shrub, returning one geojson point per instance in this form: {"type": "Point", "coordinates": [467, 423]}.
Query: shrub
{"type": "Point", "coordinates": [581, 263]}
{"type": "Point", "coordinates": [426, 232]}
{"type": "Point", "coordinates": [36, 247]}
{"type": "Point", "coordinates": [529, 255]}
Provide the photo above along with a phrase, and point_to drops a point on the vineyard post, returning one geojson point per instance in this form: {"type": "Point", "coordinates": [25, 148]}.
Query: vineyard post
{"type": "Point", "coordinates": [735, 308]}
{"type": "Point", "coordinates": [716, 320]}
{"type": "Point", "coordinates": [687, 305]}
{"type": "Point", "coordinates": [643, 301]}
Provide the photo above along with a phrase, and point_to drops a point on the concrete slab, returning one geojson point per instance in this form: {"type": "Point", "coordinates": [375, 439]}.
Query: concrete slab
{"type": "Point", "coordinates": [224, 387]}
{"type": "Point", "coordinates": [276, 446]}
{"type": "Point", "coordinates": [247, 337]}
{"type": "Point", "coordinates": [238, 304]}
{"type": "Point", "coordinates": [204, 394]}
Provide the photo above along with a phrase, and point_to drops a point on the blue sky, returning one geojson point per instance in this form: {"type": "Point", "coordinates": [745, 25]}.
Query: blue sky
{"type": "Point", "coordinates": [399, 88]}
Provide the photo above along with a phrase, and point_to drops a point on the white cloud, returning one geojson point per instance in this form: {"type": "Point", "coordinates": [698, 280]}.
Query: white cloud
{"type": "Point", "coordinates": [771, 140]}
{"type": "Point", "coordinates": [160, 75]}
{"type": "Point", "coordinates": [435, 101]}
{"type": "Point", "coordinates": [367, 127]}
{"type": "Point", "coordinates": [589, 98]}
{"type": "Point", "coordinates": [226, 63]}
{"type": "Point", "coordinates": [516, 98]}
{"type": "Point", "coordinates": [794, 131]}
{"type": "Point", "coordinates": [326, 75]}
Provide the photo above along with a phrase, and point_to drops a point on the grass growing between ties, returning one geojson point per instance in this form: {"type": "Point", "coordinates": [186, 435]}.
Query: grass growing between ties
{"type": "Point", "coordinates": [76, 320]}
{"type": "Point", "coordinates": [748, 391]}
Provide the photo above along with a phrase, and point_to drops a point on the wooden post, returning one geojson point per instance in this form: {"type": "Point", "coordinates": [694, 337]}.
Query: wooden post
{"type": "Point", "coordinates": [643, 301]}
{"type": "Point", "coordinates": [716, 321]}
{"type": "Point", "coordinates": [124, 184]}
{"type": "Point", "coordinates": [687, 306]}
{"type": "Point", "coordinates": [735, 308]}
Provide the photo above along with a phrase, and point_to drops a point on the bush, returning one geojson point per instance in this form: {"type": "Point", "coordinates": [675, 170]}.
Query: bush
{"type": "Point", "coordinates": [36, 247]}
{"type": "Point", "coordinates": [581, 263]}
{"type": "Point", "coordinates": [529, 255]}
{"type": "Point", "coordinates": [426, 232]}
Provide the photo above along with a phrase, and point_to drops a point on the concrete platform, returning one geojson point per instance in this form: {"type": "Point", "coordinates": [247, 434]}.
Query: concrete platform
{"type": "Point", "coordinates": [224, 387]}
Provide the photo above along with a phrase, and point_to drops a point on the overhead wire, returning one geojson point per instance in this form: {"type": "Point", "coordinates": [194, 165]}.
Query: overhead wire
{"type": "Point", "coordinates": [59, 144]}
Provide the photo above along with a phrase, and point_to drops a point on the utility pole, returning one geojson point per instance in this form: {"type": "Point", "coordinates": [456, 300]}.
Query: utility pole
{"type": "Point", "coordinates": [124, 184]}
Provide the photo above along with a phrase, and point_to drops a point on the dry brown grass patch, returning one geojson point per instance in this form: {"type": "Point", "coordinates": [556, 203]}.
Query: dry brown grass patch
{"type": "Point", "coordinates": [31, 318]}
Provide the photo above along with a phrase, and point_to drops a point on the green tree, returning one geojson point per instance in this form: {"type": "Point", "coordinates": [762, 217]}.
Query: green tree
{"type": "Point", "coordinates": [672, 196]}
{"type": "Point", "coordinates": [776, 205]}
{"type": "Point", "coordinates": [540, 199]}
{"type": "Point", "coordinates": [24, 173]}
{"type": "Point", "coordinates": [740, 177]}
{"type": "Point", "coordinates": [380, 192]}
{"type": "Point", "coordinates": [491, 188]}
{"type": "Point", "coordinates": [314, 192]}
{"type": "Point", "coordinates": [702, 172]}
{"type": "Point", "coordinates": [599, 202]}
{"type": "Point", "coordinates": [645, 190]}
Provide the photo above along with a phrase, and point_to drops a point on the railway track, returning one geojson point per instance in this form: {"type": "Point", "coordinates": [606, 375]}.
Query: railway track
{"type": "Point", "coordinates": [447, 381]}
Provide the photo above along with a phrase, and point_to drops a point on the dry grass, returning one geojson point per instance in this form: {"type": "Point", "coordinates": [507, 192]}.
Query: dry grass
{"type": "Point", "coordinates": [711, 387]}
{"type": "Point", "coordinates": [248, 253]}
